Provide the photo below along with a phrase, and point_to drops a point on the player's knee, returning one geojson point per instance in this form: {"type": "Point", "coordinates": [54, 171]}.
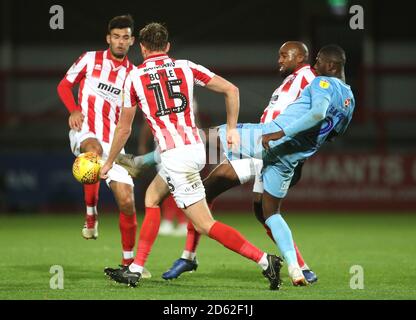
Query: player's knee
{"type": "Point", "coordinates": [96, 149]}
{"type": "Point", "coordinates": [203, 227]}
{"type": "Point", "coordinates": [92, 145]}
{"type": "Point", "coordinates": [151, 200]}
{"type": "Point", "coordinates": [126, 204]}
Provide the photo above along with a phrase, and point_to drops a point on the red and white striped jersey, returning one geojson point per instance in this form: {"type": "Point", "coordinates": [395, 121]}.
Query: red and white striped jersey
{"type": "Point", "coordinates": [163, 88]}
{"type": "Point", "coordinates": [101, 80]}
{"type": "Point", "coordinates": [288, 92]}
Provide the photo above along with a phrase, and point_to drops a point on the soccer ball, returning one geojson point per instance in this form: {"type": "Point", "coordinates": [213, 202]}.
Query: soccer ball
{"type": "Point", "coordinates": [86, 168]}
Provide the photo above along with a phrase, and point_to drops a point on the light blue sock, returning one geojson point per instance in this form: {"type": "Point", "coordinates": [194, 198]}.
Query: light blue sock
{"type": "Point", "coordinates": [150, 159]}
{"type": "Point", "coordinates": [283, 237]}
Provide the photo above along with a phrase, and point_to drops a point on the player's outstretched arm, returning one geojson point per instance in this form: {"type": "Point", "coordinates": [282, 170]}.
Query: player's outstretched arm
{"type": "Point", "coordinates": [232, 104]}
{"type": "Point", "coordinates": [121, 135]}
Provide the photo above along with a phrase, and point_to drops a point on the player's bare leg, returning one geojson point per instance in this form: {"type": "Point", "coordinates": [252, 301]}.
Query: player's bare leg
{"type": "Point", "coordinates": [201, 217]}
{"type": "Point", "coordinates": [283, 237]}
{"type": "Point", "coordinates": [155, 193]}
{"type": "Point", "coordinates": [221, 179]}
{"type": "Point", "coordinates": [137, 165]}
{"type": "Point", "coordinates": [90, 229]}
{"type": "Point", "coordinates": [124, 195]}
{"type": "Point", "coordinates": [258, 211]}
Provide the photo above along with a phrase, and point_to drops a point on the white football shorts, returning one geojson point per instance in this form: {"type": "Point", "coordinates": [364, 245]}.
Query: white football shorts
{"type": "Point", "coordinates": [248, 169]}
{"type": "Point", "coordinates": [180, 170]}
{"type": "Point", "coordinates": [117, 173]}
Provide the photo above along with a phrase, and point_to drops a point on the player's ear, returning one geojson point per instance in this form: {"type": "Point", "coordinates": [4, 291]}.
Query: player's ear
{"type": "Point", "coordinates": [132, 39]}
{"type": "Point", "coordinates": [108, 37]}
{"type": "Point", "coordinates": [143, 50]}
{"type": "Point", "coordinates": [168, 47]}
{"type": "Point", "coordinates": [300, 58]}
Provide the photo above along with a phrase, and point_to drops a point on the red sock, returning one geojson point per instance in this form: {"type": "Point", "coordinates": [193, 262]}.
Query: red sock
{"type": "Point", "coordinates": [168, 207]}
{"type": "Point", "coordinates": [269, 232]}
{"type": "Point", "coordinates": [192, 238]}
{"type": "Point", "coordinates": [233, 240]}
{"type": "Point", "coordinates": [91, 194]}
{"type": "Point", "coordinates": [128, 228]}
{"type": "Point", "coordinates": [91, 200]}
{"type": "Point", "coordinates": [299, 257]}
{"type": "Point", "coordinates": [148, 234]}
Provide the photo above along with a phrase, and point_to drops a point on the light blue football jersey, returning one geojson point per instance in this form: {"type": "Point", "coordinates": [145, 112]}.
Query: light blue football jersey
{"type": "Point", "coordinates": [323, 111]}
{"type": "Point", "coordinates": [327, 97]}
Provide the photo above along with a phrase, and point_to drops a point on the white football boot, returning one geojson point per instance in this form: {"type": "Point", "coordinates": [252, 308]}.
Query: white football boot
{"type": "Point", "coordinates": [146, 274]}
{"type": "Point", "coordinates": [296, 275]}
{"type": "Point", "coordinates": [90, 233]}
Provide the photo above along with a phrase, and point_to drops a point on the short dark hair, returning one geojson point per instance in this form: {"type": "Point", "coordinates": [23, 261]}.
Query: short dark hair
{"type": "Point", "coordinates": [154, 36]}
{"type": "Point", "coordinates": [334, 53]}
{"type": "Point", "coordinates": [121, 22]}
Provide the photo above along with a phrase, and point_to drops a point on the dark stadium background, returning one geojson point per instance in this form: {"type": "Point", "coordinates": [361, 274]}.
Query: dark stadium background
{"type": "Point", "coordinates": [373, 167]}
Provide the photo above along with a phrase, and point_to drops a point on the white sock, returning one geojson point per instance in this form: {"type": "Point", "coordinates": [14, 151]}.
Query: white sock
{"type": "Point", "coordinates": [128, 254]}
{"type": "Point", "coordinates": [188, 255]}
{"type": "Point", "coordinates": [294, 269]}
{"type": "Point", "coordinates": [263, 263]}
{"type": "Point", "coordinates": [92, 211]}
{"type": "Point", "coordinates": [136, 268]}
{"type": "Point", "coordinates": [167, 223]}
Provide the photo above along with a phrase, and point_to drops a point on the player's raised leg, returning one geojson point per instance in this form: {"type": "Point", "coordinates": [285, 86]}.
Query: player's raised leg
{"type": "Point", "coordinates": [137, 165]}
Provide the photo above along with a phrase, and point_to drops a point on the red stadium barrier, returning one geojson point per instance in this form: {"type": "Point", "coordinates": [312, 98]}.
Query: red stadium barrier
{"type": "Point", "coordinates": [345, 182]}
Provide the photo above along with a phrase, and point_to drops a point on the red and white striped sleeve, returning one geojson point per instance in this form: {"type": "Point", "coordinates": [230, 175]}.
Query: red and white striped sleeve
{"type": "Point", "coordinates": [129, 93]}
{"type": "Point", "coordinates": [308, 77]}
{"type": "Point", "coordinates": [201, 74]}
{"type": "Point", "coordinates": [74, 75]}
{"type": "Point", "coordinates": [78, 69]}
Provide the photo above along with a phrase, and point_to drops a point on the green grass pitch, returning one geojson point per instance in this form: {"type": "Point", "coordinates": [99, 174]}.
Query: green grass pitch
{"type": "Point", "coordinates": [383, 245]}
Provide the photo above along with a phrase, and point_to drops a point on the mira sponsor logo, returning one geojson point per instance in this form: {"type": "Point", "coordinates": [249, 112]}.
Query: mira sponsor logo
{"type": "Point", "coordinates": [109, 88]}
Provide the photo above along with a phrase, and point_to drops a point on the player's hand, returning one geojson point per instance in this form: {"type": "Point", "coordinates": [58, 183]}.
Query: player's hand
{"type": "Point", "coordinates": [75, 120]}
{"type": "Point", "coordinates": [233, 139]}
{"type": "Point", "coordinates": [104, 170]}
{"type": "Point", "coordinates": [266, 138]}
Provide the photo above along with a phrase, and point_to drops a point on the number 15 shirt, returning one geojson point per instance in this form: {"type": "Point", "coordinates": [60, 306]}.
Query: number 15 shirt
{"type": "Point", "coordinates": [163, 89]}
